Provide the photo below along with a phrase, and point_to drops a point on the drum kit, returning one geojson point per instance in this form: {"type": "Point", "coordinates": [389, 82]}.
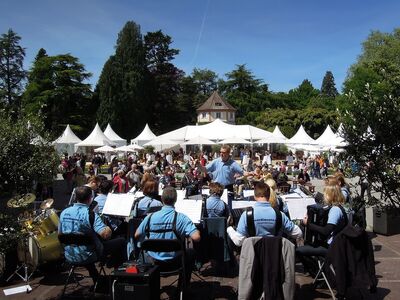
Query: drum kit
{"type": "Point", "coordinates": [40, 244]}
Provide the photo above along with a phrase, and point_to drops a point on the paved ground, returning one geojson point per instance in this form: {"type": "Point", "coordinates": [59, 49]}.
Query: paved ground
{"type": "Point", "coordinates": [47, 282]}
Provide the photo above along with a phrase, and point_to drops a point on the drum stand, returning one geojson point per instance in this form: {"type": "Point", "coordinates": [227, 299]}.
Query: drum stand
{"type": "Point", "coordinates": [26, 276]}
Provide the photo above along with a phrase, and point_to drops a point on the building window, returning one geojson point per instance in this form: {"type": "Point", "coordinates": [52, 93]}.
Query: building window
{"type": "Point", "coordinates": [218, 115]}
{"type": "Point", "coordinates": [218, 104]}
{"type": "Point", "coordinates": [231, 115]}
{"type": "Point", "coordinates": [203, 115]}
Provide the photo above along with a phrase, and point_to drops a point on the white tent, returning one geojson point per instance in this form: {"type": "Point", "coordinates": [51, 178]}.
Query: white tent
{"type": "Point", "coordinates": [96, 139]}
{"type": "Point", "coordinates": [278, 133]}
{"type": "Point", "coordinates": [104, 149]}
{"type": "Point", "coordinates": [66, 141]}
{"type": "Point", "coordinates": [327, 138]}
{"type": "Point", "coordinates": [217, 130]}
{"type": "Point", "coordinates": [145, 136]}
{"type": "Point", "coordinates": [301, 138]}
{"type": "Point", "coordinates": [234, 140]}
{"type": "Point", "coordinates": [162, 142]}
{"type": "Point", "coordinates": [110, 133]}
{"type": "Point", "coordinates": [199, 140]}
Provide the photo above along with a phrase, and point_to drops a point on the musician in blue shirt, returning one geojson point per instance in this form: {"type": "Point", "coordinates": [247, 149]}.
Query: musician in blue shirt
{"type": "Point", "coordinates": [150, 190]}
{"type": "Point", "coordinates": [337, 220]}
{"type": "Point", "coordinates": [264, 219]}
{"type": "Point", "coordinates": [214, 205]}
{"type": "Point", "coordinates": [77, 220]}
{"type": "Point", "coordinates": [175, 226]}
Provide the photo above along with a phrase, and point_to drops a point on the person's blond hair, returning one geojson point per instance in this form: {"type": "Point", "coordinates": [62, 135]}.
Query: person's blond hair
{"type": "Point", "coordinates": [272, 194]}
{"type": "Point", "coordinates": [333, 195]}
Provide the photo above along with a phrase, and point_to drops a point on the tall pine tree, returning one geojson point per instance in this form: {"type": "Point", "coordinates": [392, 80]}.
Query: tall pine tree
{"type": "Point", "coordinates": [328, 88]}
{"type": "Point", "coordinates": [121, 86]}
{"type": "Point", "coordinates": [12, 73]}
{"type": "Point", "coordinates": [164, 80]}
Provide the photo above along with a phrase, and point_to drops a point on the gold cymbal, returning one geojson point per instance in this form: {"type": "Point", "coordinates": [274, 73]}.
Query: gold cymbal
{"type": "Point", "coordinates": [21, 200]}
{"type": "Point", "coordinates": [46, 204]}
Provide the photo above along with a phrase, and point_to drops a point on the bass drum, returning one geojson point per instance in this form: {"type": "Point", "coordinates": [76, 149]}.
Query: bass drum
{"type": "Point", "coordinates": [40, 250]}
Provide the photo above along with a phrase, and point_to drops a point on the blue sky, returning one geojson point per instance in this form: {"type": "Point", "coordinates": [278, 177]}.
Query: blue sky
{"type": "Point", "coordinates": [281, 42]}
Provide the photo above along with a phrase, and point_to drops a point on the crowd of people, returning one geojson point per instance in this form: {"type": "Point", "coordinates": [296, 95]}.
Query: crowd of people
{"type": "Point", "coordinates": [149, 174]}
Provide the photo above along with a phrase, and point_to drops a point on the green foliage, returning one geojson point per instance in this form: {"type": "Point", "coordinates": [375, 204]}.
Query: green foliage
{"type": "Point", "coordinates": [328, 88]}
{"type": "Point", "coordinates": [12, 73]}
{"type": "Point", "coordinates": [300, 96]}
{"type": "Point", "coordinates": [57, 92]}
{"type": "Point", "coordinates": [22, 163]}
{"type": "Point", "coordinates": [314, 120]}
{"type": "Point", "coordinates": [371, 117]}
{"type": "Point", "coordinates": [10, 232]}
{"type": "Point", "coordinates": [164, 81]}
{"type": "Point", "coordinates": [121, 89]}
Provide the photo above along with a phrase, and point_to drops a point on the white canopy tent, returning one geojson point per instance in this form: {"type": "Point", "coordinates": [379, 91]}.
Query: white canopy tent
{"type": "Point", "coordinates": [96, 139]}
{"type": "Point", "coordinates": [217, 130]}
{"type": "Point", "coordinates": [278, 133]}
{"type": "Point", "coordinates": [162, 143]}
{"type": "Point", "coordinates": [104, 149]}
{"type": "Point", "coordinates": [199, 140]}
{"type": "Point", "coordinates": [66, 141]}
{"type": "Point", "coordinates": [110, 133]}
{"type": "Point", "coordinates": [301, 138]}
{"type": "Point", "coordinates": [145, 136]}
{"type": "Point", "coordinates": [234, 140]}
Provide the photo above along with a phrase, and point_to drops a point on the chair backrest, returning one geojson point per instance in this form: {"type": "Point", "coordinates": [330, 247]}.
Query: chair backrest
{"type": "Point", "coordinates": [216, 239]}
{"type": "Point", "coordinates": [162, 245]}
{"type": "Point", "coordinates": [76, 239]}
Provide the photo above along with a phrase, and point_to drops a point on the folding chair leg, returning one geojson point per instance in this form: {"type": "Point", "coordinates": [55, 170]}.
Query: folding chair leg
{"type": "Point", "coordinates": [321, 272]}
{"type": "Point", "coordinates": [71, 271]}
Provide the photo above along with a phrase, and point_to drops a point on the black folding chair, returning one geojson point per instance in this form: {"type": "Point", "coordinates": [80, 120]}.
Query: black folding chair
{"type": "Point", "coordinates": [76, 240]}
{"type": "Point", "coordinates": [168, 245]}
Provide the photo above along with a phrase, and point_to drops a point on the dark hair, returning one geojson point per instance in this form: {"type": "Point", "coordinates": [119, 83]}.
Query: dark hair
{"type": "Point", "coordinates": [83, 194]}
{"type": "Point", "coordinates": [261, 189]}
{"type": "Point", "coordinates": [169, 195]}
{"type": "Point", "coordinates": [149, 187]}
{"type": "Point", "coordinates": [106, 186]}
{"type": "Point", "coordinates": [94, 179]}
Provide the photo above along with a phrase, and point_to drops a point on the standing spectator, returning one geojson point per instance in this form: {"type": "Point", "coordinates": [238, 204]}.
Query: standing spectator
{"type": "Point", "coordinates": [120, 181]}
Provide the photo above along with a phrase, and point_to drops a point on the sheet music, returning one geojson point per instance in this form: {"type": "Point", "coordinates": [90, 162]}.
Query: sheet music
{"type": "Point", "coordinates": [118, 204]}
{"type": "Point", "coordinates": [224, 196]}
{"type": "Point", "coordinates": [191, 208]}
{"type": "Point", "coordinates": [180, 194]}
{"type": "Point", "coordinates": [139, 194]}
{"type": "Point", "coordinates": [205, 191]}
{"type": "Point", "coordinates": [298, 207]}
{"type": "Point", "coordinates": [242, 204]}
{"type": "Point", "coordinates": [248, 193]}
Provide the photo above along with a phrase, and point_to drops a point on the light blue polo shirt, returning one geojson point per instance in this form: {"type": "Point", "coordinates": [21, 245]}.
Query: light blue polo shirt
{"type": "Point", "coordinates": [216, 207]}
{"type": "Point", "coordinates": [264, 221]}
{"type": "Point", "coordinates": [336, 217]}
{"type": "Point", "coordinates": [75, 219]}
{"type": "Point", "coordinates": [145, 203]}
{"type": "Point", "coordinates": [163, 219]}
{"type": "Point", "coordinates": [224, 172]}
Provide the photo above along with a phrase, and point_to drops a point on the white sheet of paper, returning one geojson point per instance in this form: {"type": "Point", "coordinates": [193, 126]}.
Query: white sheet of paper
{"type": "Point", "coordinates": [205, 191]}
{"type": "Point", "coordinates": [17, 290]}
{"type": "Point", "coordinates": [242, 204]}
{"type": "Point", "coordinates": [298, 207]}
{"type": "Point", "coordinates": [224, 196]}
{"type": "Point", "coordinates": [191, 208]}
{"type": "Point", "coordinates": [180, 194]}
{"type": "Point", "coordinates": [139, 194]}
{"type": "Point", "coordinates": [118, 204]}
{"type": "Point", "coordinates": [248, 193]}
